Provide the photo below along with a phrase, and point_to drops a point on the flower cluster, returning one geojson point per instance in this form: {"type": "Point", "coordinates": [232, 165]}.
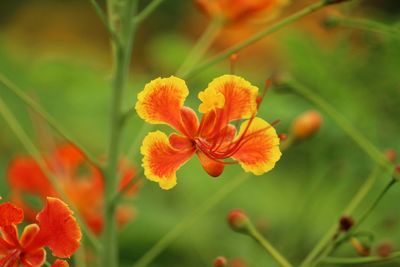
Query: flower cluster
{"type": "Point", "coordinates": [56, 229]}
{"type": "Point", "coordinates": [82, 183]}
{"type": "Point", "coordinates": [254, 145]}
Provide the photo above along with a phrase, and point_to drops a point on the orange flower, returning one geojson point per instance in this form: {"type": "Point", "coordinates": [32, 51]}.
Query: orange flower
{"type": "Point", "coordinates": [81, 181]}
{"type": "Point", "coordinates": [228, 98]}
{"type": "Point", "coordinates": [239, 10]}
{"type": "Point", "coordinates": [56, 229]}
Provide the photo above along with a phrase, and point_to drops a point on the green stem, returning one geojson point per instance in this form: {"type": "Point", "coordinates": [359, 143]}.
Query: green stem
{"type": "Point", "coordinates": [348, 210]}
{"type": "Point", "coordinates": [255, 38]}
{"type": "Point", "coordinates": [335, 243]}
{"type": "Point", "coordinates": [146, 12]}
{"type": "Point", "coordinates": [255, 234]}
{"type": "Point", "coordinates": [122, 58]}
{"type": "Point", "coordinates": [343, 123]}
{"type": "Point", "coordinates": [362, 260]}
{"type": "Point", "coordinates": [201, 46]}
{"type": "Point", "coordinates": [35, 153]}
{"type": "Point", "coordinates": [103, 19]}
{"type": "Point", "coordinates": [46, 116]}
{"type": "Point", "coordinates": [189, 220]}
{"type": "Point", "coordinates": [368, 25]}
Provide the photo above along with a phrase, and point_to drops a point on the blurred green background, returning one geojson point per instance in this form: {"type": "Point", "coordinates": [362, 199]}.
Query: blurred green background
{"type": "Point", "coordinates": [58, 52]}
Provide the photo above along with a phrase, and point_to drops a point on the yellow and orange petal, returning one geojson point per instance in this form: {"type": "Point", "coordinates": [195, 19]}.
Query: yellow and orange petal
{"type": "Point", "coordinates": [58, 228]}
{"type": "Point", "coordinates": [161, 100]}
{"type": "Point", "coordinates": [260, 151]}
{"type": "Point", "coordinates": [161, 160]}
{"type": "Point", "coordinates": [240, 96]}
{"type": "Point", "coordinates": [10, 214]}
{"type": "Point", "coordinates": [211, 99]}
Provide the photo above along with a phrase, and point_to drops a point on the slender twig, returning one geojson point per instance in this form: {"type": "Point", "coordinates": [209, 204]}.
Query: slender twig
{"type": "Point", "coordinates": [348, 210]}
{"type": "Point", "coordinates": [35, 153]}
{"type": "Point", "coordinates": [27, 100]}
{"type": "Point", "coordinates": [122, 60]}
{"type": "Point", "coordinates": [335, 243]}
{"type": "Point", "coordinates": [258, 237]}
{"type": "Point", "coordinates": [201, 46]}
{"type": "Point", "coordinates": [103, 18]}
{"type": "Point", "coordinates": [348, 127]}
{"type": "Point", "coordinates": [255, 38]}
{"type": "Point", "coordinates": [146, 12]}
{"type": "Point", "coordinates": [367, 25]}
{"type": "Point", "coordinates": [361, 260]}
{"type": "Point", "coordinates": [191, 218]}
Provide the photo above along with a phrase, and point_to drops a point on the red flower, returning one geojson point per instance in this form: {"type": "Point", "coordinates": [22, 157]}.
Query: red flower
{"type": "Point", "coordinates": [82, 183]}
{"type": "Point", "coordinates": [56, 229]}
{"type": "Point", "coordinates": [254, 145]}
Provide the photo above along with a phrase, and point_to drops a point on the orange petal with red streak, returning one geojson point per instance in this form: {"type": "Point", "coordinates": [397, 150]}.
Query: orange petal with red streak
{"type": "Point", "coordinates": [10, 214]}
{"type": "Point", "coordinates": [161, 160]}
{"type": "Point", "coordinates": [58, 228]}
{"type": "Point", "coordinates": [161, 101]}
{"type": "Point", "coordinates": [240, 97]}
{"type": "Point", "coordinates": [260, 150]}
{"type": "Point", "coordinates": [212, 167]}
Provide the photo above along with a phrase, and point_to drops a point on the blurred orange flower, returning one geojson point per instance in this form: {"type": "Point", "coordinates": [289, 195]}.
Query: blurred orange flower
{"type": "Point", "coordinates": [82, 183]}
{"type": "Point", "coordinates": [232, 11]}
{"type": "Point", "coordinates": [56, 229]}
{"type": "Point", "coordinates": [255, 146]}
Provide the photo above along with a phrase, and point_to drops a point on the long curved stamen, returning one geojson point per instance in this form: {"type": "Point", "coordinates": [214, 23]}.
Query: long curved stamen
{"type": "Point", "coordinates": [243, 139]}
{"type": "Point", "coordinates": [204, 148]}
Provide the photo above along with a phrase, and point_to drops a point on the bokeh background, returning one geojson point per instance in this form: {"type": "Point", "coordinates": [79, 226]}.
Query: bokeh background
{"type": "Point", "coordinates": [58, 51]}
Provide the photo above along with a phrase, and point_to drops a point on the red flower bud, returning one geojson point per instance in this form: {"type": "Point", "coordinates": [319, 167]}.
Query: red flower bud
{"type": "Point", "coordinates": [237, 220]}
{"type": "Point", "coordinates": [282, 137]}
{"type": "Point", "coordinates": [220, 262]}
{"type": "Point", "coordinates": [306, 125]}
{"type": "Point", "coordinates": [391, 155]}
{"type": "Point", "coordinates": [345, 223]}
{"type": "Point", "coordinates": [384, 249]}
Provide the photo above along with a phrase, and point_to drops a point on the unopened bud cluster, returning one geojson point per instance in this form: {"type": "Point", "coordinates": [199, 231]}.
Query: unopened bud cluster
{"type": "Point", "coordinates": [306, 125]}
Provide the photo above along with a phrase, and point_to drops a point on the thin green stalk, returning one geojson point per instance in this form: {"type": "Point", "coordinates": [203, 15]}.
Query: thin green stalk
{"type": "Point", "coordinates": [255, 38]}
{"type": "Point", "coordinates": [255, 234]}
{"type": "Point", "coordinates": [361, 260]}
{"type": "Point", "coordinates": [335, 243]}
{"type": "Point", "coordinates": [35, 153]}
{"type": "Point", "coordinates": [348, 210]}
{"type": "Point", "coordinates": [189, 220]}
{"type": "Point", "coordinates": [122, 59]}
{"type": "Point", "coordinates": [201, 46]}
{"type": "Point", "coordinates": [146, 12]}
{"type": "Point", "coordinates": [80, 257]}
{"type": "Point", "coordinates": [46, 116]}
{"type": "Point", "coordinates": [343, 123]}
{"type": "Point", "coordinates": [103, 18]}
{"type": "Point", "coordinates": [368, 25]}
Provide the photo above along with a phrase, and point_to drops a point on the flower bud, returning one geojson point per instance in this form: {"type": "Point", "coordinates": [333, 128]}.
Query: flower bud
{"type": "Point", "coordinates": [220, 262]}
{"type": "Point", "coordinates": [391, 155]}
{"type": "Point", "coordinates": [238, 221]}
{"type": "Point", "coordinates": [345, 223]}
{"type": "Point", "coordinates": [396, 173]}
{"type": "Point", "coordinates": [282, 137]}
{"type": "Point", "coordinates": [384, 249]}
{"type": "Point", "coordinates": [306, 124]}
